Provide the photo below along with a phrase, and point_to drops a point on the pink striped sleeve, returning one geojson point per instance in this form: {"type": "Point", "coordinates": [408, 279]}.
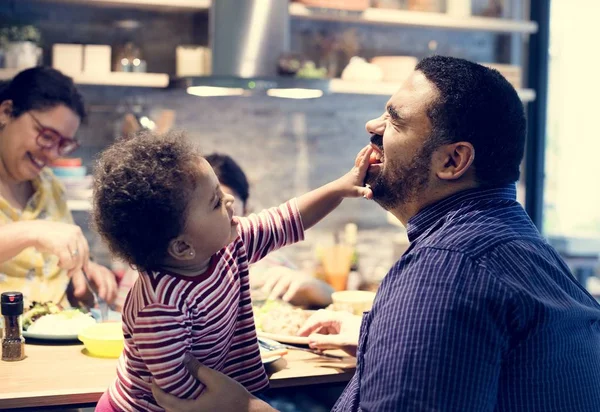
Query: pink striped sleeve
{"type": "Point", "coordinates": [162, 335]}
{"type": "Point", "coordinates": [271, 229]}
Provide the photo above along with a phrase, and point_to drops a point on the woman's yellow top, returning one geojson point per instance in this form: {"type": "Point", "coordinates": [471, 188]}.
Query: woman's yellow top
{"type": "Point", "coordinates": [32, 272]}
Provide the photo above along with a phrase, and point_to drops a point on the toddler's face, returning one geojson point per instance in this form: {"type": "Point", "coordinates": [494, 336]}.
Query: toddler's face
{"type": "Point", "coordinates": [238, 206]}
{"type": "Point", "coordinates": [210, 226]}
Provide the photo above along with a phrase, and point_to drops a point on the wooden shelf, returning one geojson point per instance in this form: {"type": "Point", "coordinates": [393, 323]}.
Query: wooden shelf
{"type": "Point", "coordinates": [388, 89]}
{"type": "Point", "coordinates": [163, 5]}
{"type": "Point", "coordinates": [79, 205]}
{"type": "Point", "coordinates": [158, 80]}
{"type": "Point", "coordinates": [416, 19]}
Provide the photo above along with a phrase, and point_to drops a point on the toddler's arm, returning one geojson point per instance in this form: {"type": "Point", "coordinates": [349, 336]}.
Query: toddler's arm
{"type": "Point", "coordinates": [162, 335]}
{"type": "Point", "coordinates": [274, 228]}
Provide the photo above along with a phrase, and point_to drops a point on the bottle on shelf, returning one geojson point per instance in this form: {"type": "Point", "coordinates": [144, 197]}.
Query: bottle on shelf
{"type": "Point", "coordinates": [351, 239]}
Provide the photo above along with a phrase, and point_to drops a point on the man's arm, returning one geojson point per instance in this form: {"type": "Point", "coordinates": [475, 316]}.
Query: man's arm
{"type": "Point", "coordinates": [436, 337]}
{"type": "Point", "coordinates": [222, 393]}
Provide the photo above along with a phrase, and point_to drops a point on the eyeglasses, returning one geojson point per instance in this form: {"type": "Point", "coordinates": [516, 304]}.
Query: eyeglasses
{"type": "Point", "coordinates": [49, 138]}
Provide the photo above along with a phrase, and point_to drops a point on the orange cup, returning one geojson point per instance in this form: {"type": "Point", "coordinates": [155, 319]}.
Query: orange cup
{"type": "Point", "coordinates": [337, 260]}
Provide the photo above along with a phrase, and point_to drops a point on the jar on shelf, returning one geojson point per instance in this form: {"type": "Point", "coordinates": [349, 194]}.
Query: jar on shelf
{"type": "Point", "coordinates": [435, 6]}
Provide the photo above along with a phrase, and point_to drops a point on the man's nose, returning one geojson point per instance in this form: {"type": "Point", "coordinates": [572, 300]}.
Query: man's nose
{"type": "Point", "coordinates": [376, 126]}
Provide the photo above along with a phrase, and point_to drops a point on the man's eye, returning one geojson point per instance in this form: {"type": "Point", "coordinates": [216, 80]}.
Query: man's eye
{"type": "Point", "coordinates": [219, 203]}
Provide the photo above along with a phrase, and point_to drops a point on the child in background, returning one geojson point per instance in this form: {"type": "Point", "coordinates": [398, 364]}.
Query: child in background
{"type": "Point", "coordinates": [159, 206]}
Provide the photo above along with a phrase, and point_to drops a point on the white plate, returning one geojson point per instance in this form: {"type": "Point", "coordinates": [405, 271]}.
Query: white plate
{"type": "Point", "coordinates": [268, 359]}
{"type": "Point", "coordinates": [44, 336]}
{"type": "Point", "coordinates": [291, 339]}
{"type": "Point", "coordinates": [112, 316]}
{"type": "Point", "coordinates": [272, 359]}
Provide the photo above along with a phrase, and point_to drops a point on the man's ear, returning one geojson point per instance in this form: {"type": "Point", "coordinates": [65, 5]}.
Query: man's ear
{"type": "Point", "coordinates": [454, 160]}
{"type": "Point", "coordinates": [181, 249]}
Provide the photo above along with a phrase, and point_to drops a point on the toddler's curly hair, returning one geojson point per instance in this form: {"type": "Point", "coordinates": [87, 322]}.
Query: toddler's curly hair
{"type": "Point", "coordinates": [142, 185]}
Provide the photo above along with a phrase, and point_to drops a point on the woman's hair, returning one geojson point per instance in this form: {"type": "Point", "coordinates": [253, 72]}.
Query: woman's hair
{"type": "Point", "coordinates": [41, 88]}
{"type": "Point", "coordinates": [142, 187]}
{"type": "Point", "coordinates": [230, 174]}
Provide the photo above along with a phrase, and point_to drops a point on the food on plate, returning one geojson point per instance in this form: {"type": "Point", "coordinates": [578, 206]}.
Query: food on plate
{"type": "Point", "coordinates": [37, 310]}
{"type": "Point", "coordinates": [51, 319]}
{"type": "Point", "coordinates": [279, 317]}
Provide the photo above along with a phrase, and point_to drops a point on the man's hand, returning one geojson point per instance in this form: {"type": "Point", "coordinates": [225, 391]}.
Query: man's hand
{"type": "Point", "coordinates": [221, 394]}
{"type": "Point", "coordinates": [101, 277]}
{"type": "Point", "coordinates": [332, 330]}
{"type": "Point", "coordinates": [296, 287]}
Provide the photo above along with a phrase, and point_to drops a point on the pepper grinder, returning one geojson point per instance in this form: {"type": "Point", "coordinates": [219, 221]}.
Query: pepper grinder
{"type": "Point", "coordinates": [13, 343]}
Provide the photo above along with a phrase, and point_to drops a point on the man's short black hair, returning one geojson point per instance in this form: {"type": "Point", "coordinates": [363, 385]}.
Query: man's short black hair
{"type": "Point", "coordinates": [478, 105]}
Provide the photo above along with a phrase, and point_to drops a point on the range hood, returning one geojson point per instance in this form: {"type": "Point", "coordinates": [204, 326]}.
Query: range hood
{"type": "Point", "coordinates": [247, 39]}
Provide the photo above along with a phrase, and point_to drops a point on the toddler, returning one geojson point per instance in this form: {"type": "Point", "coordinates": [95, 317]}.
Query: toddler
{"type": "Point", "coordinates": [159, 206]}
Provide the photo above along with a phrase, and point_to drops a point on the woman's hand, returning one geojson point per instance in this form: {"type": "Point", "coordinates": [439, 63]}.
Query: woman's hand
{"type": "Point", "coordinates": [328, 329]}
{"type": "Point", "coordinates": [64, 240]}
{"type": "Point", "coordinates": [296, 287]}
{"type": "Point", "coordinates": [101, 277]}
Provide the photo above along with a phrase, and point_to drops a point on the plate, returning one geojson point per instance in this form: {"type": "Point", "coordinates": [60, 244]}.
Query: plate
{"type": "Point", "coordinates": [267, 359]}
{"type": "Point", "coordinates": [54, 338]}
{"type": "Point", "coordinates": [291, 339]}
{"type": "Point", "coordinates": [112, 316]}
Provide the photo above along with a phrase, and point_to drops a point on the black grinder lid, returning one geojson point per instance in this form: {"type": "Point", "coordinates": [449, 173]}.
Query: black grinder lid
{"type": "Point", "coordinates": [12, 303]}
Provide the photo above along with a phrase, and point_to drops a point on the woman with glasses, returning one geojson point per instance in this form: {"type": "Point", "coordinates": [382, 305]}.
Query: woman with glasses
{"type": "Point", "coordinates": [42, 251]}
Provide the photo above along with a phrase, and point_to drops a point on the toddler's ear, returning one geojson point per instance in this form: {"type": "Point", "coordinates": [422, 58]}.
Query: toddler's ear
{"type": "Point", "coordinates": [180, 249]}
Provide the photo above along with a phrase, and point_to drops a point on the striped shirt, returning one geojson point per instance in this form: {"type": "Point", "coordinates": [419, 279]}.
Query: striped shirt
{"type": "Point", "coordinates": [479, 314]}
{"type": "Point", "coordinates": [209, 315]}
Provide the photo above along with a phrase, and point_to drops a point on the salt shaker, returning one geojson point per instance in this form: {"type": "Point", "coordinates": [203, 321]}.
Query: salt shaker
{"type": "Point", "coordinates": [13, 343]}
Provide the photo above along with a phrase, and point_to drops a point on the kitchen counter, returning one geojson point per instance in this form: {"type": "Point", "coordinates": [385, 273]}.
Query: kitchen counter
{"type": "Point", "coordinates": [61, 375]}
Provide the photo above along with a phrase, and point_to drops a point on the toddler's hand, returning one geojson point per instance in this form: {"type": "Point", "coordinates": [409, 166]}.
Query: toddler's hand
{"type": "Point", "coordinates": [353, 182]}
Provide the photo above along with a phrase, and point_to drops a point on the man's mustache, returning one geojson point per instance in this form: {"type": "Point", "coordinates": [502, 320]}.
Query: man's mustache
{"type": "Point", "coordinates": [377, 140]}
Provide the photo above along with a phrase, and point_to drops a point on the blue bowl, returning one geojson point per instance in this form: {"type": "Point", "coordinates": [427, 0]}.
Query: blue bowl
{"type": "Point", "coordinates": [78, 171]}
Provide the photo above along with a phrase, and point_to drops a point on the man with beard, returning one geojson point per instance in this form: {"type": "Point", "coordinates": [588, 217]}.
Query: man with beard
{"type": "Point", "coordinates": [480, 313]}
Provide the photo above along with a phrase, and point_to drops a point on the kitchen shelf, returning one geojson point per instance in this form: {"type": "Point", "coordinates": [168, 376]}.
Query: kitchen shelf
{"type": "Point", "coordinates": [388, 89]}
{"type": "Point", "coordinates": [416, 19]}
{"type": "Point", "coordinates": [163, 5]}
{"type": "Point", "coordinates": [157, 80]}
{"type": "Point", "coordinates": [76, 205]}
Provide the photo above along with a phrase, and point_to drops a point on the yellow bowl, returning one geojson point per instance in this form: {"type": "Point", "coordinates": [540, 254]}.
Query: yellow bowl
{"type": "Point", "coordinates": [104, 340]}
{"type": "Point", "coordinates": [355, 301]}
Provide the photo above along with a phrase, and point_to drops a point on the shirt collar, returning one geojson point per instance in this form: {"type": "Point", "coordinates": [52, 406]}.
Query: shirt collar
{"type": "Point", "coordinates": [427, 216]}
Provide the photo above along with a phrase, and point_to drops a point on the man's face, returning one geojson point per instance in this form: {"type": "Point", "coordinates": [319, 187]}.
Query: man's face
{"type": "Point", "coordinates": [403, 144]}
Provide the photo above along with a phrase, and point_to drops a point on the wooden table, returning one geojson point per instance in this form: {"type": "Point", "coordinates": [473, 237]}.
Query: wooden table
{"type": "Point", "coordinates": [53, 375]}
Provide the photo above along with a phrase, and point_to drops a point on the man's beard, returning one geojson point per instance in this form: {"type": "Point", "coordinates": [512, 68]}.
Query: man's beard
{"type": "Point", "coordinates": [399, 184]}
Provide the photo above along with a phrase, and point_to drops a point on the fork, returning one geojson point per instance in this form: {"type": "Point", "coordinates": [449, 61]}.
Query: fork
{"type": "Point", "coordinates": [269, 346]}
{"type": "Point", "coordinates": [102, 305]}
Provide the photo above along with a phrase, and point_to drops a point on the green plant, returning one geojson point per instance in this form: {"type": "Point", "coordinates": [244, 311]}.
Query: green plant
{"type": "Point", "coordinates": [19, 33]}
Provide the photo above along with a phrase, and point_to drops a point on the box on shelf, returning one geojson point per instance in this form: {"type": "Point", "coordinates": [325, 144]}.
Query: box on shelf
{"type": "Point", "coordinates": [395, 69]}
{"type": "Point", "coordinates": [67, 58]}
{"type": "Point", "coordinates": [96, 58]}
{"type": "Point", "coordinates": [193, 61]}
{"type": "Point", "coordinates": [353, 5]}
